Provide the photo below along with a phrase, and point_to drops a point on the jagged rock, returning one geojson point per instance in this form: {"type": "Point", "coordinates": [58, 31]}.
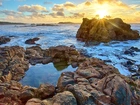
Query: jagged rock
{"type": "Point", "coordinates": [95, 83]}
{"type": "Point", "coordinates": [4, 40]}
{"type": "Point", "coordinates": [104, 30]}
{"type": "Point", "coordinates": [31, 41]}
{"type": "Point", "coordinates": [13, 63]}
{"type": "Point", "coordinates": [9, 93]}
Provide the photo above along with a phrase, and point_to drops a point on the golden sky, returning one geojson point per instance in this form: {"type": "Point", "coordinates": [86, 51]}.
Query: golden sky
{"type": "Point", "coordinates": [41, 11]}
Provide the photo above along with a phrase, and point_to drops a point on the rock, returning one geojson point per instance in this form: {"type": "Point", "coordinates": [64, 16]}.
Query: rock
{"type": "Point", "coordinates": [4, 40]}
{"type": "Point", "coordinates": [64, 98]}
{"type": "Point", "coordinates": [31, 41]}
{"type": "Point", "coordinates": [45, 91]}
{"type": "Point", "coordinates": [34, 101]}
{"type": "Point", "coordinates": [44, 60]}
{"type": "Point", "coordinates": [26, 95]}
{"type": "Point", "coordinates": [95, 83]}
{"type": "Point", "coordinates": [104, 30]}
{"type": "Point", "coordinates": [135, 49]}
{"type": "Point", "coordinates": [13, 63]}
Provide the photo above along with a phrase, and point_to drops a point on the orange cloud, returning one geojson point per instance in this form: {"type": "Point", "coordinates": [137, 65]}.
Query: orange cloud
{"type": "Point", "coordinates": [87, 3]}
{"type": "Point", "coordinates": [69, 5]}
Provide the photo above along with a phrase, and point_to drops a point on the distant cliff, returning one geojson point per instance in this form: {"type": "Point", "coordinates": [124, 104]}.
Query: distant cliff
{"type": "Point", "coordinates": [105, 30]}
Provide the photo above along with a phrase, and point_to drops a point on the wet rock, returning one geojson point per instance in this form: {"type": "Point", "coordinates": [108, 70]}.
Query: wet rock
{"type": "Point", "coordinates": [131, 51]}
{"type": "Point", "coordinates": [4, 40]}
{"type": "Point", "coordinates": [135, 49]}
{"type": "Point", "coordinates": [31, 41]}
{"type": "Point", "coordinates": [112, 29]}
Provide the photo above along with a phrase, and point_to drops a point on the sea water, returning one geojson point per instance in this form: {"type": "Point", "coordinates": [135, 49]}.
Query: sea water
{"type": "Point", "coordinates": [66, 35]}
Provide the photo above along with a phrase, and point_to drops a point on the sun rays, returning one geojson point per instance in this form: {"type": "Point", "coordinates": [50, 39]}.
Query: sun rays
{"type": "Point", "coordinates": [101, 13]}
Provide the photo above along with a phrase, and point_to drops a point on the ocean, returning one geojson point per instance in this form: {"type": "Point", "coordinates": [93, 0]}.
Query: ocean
{"type": "Point", "coordinates": [112, 53]}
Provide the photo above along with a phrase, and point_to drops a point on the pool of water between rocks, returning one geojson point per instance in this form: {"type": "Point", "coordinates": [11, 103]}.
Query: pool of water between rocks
{"type": "Point", "coordinates": [48, 73]}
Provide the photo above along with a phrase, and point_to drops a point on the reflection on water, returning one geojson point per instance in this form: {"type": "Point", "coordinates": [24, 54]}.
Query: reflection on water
{"type": "Point", "coordinates": [40, 73]}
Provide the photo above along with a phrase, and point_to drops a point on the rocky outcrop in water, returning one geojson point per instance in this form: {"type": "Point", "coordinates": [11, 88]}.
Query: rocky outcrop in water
{"type": "Point", "coordinates": [104, 30]}
{"type": "Point", "coordinates": [93, 83]}
{"type": "Point", "coordinates": [31, 41]}
{"type": "Point", "coordinates": [4, 40]}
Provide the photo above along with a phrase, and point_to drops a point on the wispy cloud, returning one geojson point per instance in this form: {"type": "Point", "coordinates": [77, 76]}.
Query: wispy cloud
{"type": "Point", "coordinates": [11, 13]}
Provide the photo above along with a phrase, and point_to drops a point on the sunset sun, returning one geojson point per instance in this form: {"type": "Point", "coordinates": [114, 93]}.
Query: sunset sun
{"type": "Point", "coordinates": [102, 13]}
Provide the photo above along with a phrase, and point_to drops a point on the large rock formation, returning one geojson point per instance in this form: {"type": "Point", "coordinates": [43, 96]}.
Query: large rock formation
{"type": "Point", "coordinates": [104, 30]}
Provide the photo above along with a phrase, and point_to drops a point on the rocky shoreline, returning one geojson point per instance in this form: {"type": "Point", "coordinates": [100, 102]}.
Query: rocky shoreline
{"type": "Point", "coordinates": [93, 83]}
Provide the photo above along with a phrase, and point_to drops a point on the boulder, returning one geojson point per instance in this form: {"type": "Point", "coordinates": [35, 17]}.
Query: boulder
{"type": "Point", "coordinates": [45, 91]}
{"type": "Point", "coordinates": [34, 101]}
{"type": "Point", "coordinates": [4, 40]}
{"type": "Point", "coordinates": [105, 30]}
{"type": "Point", "coordinates": [64, 98]}
{"type": "Point", "coordinates": [31, 41]}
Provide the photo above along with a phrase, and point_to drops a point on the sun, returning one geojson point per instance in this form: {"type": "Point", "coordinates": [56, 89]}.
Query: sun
{"type": "Point", "coordinates": [102, 13]}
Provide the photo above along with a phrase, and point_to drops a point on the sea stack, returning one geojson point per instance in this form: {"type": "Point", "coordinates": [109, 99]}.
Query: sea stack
{"type": "Point", "coordinates": [105, 30]}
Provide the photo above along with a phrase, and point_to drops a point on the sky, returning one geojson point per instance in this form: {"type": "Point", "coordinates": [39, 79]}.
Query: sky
{"type": "Point", "coordinates": [53, 11]}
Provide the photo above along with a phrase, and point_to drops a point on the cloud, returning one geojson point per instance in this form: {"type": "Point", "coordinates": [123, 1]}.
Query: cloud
{"type": "Point", "coordinates": [58, 8]}
{"type": "Point", "coordinates": [60, 14]}
{"type": "Point", "coordinates": [113, 2]}
{"type": "Point", "coordinates": [1, 2]}
{"type": "Point", "coordinates": [87, 3]}
{"type": "Point", "coordinates": [32, 8]}
{"type": "Point", "coordinates": [78, 15]}
{"type": "Point", "coordinates": [57, 14]}
{"type": "Point", "coordinates": [69, 5]}
{"type": "Point", "coordinates": [11, 13]}
{"type": "Point", "coordinates": [48, 2]}
{"type": "Point", "coordinates": [62, 7]}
